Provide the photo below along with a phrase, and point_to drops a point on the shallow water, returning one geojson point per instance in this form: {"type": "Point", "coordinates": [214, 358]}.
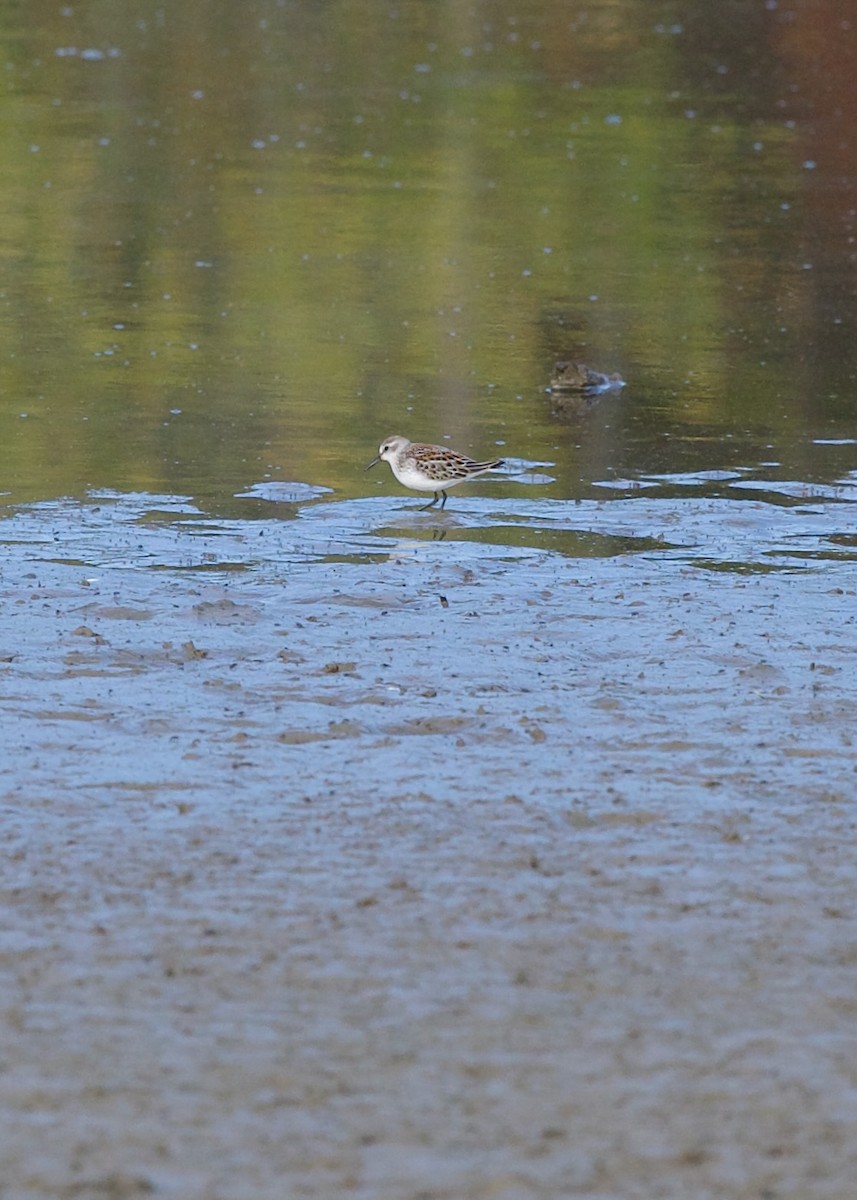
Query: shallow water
{"type": "Point", "coordinates": [355, 850]}
{"type": "Point", "coordinates": [239, 250]}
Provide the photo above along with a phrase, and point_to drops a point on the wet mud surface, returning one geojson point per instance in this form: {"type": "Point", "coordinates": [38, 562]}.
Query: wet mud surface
{"type": "Point", "coordinates": [507, 852]}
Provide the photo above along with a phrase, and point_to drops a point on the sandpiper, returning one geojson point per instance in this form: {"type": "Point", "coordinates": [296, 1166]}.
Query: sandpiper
{"type": "Point", "coordinates": [426, 468]}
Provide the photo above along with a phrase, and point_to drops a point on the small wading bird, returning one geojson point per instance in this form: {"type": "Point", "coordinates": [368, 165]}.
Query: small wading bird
{"type": "Point", "coordinates": [426, 468]}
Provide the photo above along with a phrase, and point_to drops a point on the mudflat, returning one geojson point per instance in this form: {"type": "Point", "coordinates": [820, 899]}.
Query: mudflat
{"type": "Point", "coordinates": [395, 868]}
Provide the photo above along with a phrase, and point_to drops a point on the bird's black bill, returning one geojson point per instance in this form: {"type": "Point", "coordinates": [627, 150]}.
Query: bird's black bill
{"type": "Point", "coordinates": [375, 460]}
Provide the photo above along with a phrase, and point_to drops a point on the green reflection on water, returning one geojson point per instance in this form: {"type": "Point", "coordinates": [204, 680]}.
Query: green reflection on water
{"type": "Point", "coordinates": [575, 543]}
{"type": "Point", "coordinates": [250, 241]}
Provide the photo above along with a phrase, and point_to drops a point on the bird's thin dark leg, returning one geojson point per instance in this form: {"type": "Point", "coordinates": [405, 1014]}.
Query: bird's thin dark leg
{"type": "Point", "coordinates": [444, 500]}
{"type": "Point", "coordinates": [431, 503]}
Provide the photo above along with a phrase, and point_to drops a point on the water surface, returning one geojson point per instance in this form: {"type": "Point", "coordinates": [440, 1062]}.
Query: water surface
{"type": "Point", "coordinates": [237, 249]}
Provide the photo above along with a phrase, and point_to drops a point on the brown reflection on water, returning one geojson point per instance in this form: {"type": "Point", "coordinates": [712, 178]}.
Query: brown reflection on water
{"type": "Point", "coordinates": [249, 241]}
{"type": "Point", "coordinates": [819, 44]}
